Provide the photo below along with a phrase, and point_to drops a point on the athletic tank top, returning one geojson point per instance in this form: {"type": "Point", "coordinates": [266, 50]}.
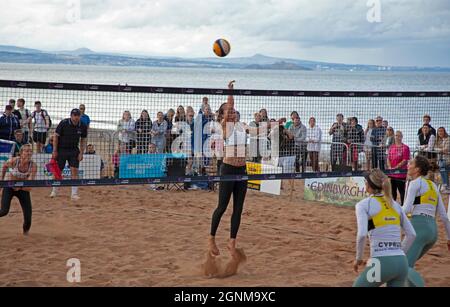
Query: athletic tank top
{"type": "Point", "coordinates": [387, 215]}
{"type": "Point", "coordinates": [430, 197]}
{"type": "Point", "coordinates": [16, 173]}
{"type": "Point", "coordinates": [384, 226]}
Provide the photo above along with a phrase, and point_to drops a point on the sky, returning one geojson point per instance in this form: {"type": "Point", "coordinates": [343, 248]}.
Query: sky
{"type": "Point", "coordinates": [398, 32]}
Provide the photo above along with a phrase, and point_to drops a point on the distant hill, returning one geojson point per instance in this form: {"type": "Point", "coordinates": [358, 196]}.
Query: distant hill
{"type": "Point", "coordinates": [85, 56]}
{"type": "Point", "coordinates": [278, 66]}
{"type": "Point", "coordinates": [79, 51]}
{"type": "Point", "coordinates": [17, 49]}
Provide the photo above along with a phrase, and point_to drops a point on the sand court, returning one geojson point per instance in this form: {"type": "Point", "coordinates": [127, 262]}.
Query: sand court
{"type": "Point", "coordinates": [131, 236]}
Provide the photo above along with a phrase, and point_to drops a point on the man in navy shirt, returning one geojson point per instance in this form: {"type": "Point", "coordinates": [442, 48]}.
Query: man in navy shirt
{"type": "Point", "coordinates": [69, 144]}
{"type": "Point", "coordinates": [426, 121]}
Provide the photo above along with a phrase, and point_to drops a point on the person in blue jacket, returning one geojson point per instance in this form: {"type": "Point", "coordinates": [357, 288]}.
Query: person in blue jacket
{"type": "Point", "coordinates": [9, 123]}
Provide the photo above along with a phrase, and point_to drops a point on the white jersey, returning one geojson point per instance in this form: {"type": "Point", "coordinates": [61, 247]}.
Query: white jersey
{"type": "Point", "coordinates": [415, 204]}
{"type": "Point", "coordinates": [385, 240]}
{"type": "Point", "coordinates": [40, 124]}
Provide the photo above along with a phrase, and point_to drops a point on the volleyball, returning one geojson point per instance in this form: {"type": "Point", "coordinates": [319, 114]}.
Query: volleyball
{"type": "Point", "coordinates": [221, 47]}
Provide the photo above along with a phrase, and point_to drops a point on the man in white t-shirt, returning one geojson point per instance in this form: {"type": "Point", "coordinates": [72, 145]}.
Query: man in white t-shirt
{"type": "Point", "coordinates": [41, 125]}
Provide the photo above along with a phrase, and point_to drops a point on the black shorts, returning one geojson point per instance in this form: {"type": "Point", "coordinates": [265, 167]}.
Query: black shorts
{"type": "Point", "coordinates": [39, 137]}
{"type": "Point", "coordinates": [70, 156]}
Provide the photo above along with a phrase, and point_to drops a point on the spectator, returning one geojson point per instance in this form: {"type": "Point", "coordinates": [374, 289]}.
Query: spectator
{"type": "Point", "coordinates": [426, 121]}
{"type": "Point", "coordinates": [206, 119]}
{"type": "Point", "coordinates": [152, 149]}
{"type": "Point", "coordinates": [181, 114]}
{"type": "Point", "coordinates": [90, 150]}
{"type": "Point", "coordinates": [378, 133]}
{"type": "Point", "coordinates": [48, 149]}
{"type": "Point", "coordinates": [385, 124]}
{"type": "Point", "coordinates": [426, 143]}
{"type": "Point", "coordinates": [349, 121]}
{"type": "Point", "coordinates": [12, 103]}
{"type": "Point", "coordinates": [127, 131]}
{"type": "Point", "coordinates": [25, 121]}
{"type": "Point", "coordinates": [398, 157]}
{"type": "Point", "coordinates": [41, 126]}
{"type": "Point", "coordinates": [264, 116]}
{"type": "Point", "coordinates": [298, 130]}
{"type": "Point", "coordinates": [314, 139]}
{"type": "Point", "coordinates": [294, 114]}
{"type": "Point", "coordinates": [121, 150]}
{"type": "Point", "coordinates": [355, 139]}
{"type": "Point", "coordinates": [207, 124]}
{"type": "Point", "coordinates": [238, 116]}
{"type": "Point", "coordinates": [255, 140]}
{"type": "Point", "coordinates": [443, 149]}
{"type": "Point", "coordinates": [205, 102]}
{"type": "Point", "coordinates": [20, 141]}
{"type": "Point", "coordinates": [339, 136]}
{"type": "Point", "coordinates": [143, 129]}
{"type": "Point", "coordinates": [159, 129]}
{"type": "Point", "coordinates": [368, 143]}
{"type": "Point", "coordinates": [286, 149]}
{"type": "Point", "coordinates": [389, 139]}
{"type": "Point", "coordinates": [169, 137]}
{"type": "Point", "coordinates": [190, 109]}
{"type": "Point", "coordinates": [9, 123]}
{"type": "Point", "coordinates": [188, 138]}
{"type": "Point", "coordinates": [85, 119]}
{"type": "Point", "coordinates": [69, 145]}
{"type": "Point", "coordinates": [220, 113]}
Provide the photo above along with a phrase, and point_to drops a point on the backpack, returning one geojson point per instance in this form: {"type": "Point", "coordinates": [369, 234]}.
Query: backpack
{"type": "Point", "coordinates": [43, 114]}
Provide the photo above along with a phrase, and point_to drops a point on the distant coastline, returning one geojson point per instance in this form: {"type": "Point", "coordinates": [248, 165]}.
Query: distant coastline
{"type": "Point", "coordinates": [85, 56]}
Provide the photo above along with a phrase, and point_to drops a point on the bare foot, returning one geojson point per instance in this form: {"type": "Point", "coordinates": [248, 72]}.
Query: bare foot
{"type": "Point", "coordinates": [213, 249]}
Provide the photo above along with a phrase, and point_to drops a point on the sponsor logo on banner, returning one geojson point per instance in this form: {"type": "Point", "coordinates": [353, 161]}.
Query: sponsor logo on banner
{"type": "Point", "coordinates": [254, 169]}
{"type": "Point", "coordinates": [145, 165]}
{"type": "Point", "coordinates": [265, 186]}
{"type": "Point", "coordinates": [345, 191]}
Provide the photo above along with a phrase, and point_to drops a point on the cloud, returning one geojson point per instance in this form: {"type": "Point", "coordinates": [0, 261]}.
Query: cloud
{"type": "Point", "coordinates": [331, 30]}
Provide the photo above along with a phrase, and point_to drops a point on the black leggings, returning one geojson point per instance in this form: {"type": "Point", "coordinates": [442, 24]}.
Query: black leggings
{"type": "Point", "coordinates": [25, 202]}
{"type": "Point", "coordinates": [226, 188]}
{"type": "Point", "coordinates": [398, 184]}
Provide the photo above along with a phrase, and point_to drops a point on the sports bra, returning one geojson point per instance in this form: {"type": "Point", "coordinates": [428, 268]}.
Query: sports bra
{"type": "Point", "coordinates": [16, 173]}
{"type": "Point", "coordinates": [237, 137]}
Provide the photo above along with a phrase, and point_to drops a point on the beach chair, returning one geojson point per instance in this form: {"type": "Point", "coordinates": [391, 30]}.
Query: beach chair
{"type": "Point", "coordinates": [176, 167]}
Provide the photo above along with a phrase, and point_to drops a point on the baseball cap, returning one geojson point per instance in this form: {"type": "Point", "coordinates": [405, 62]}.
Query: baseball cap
{"type": "Point", "coordinates": [75, 112]}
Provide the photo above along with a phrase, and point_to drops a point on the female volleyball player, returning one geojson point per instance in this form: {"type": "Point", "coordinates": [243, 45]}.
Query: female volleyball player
{"type": "Point", "coordinates": [234, 163]}
{"type": "Point", "coordinates": [20, 168]}
{"type": "Point", "coordinates": [380, 217]}
{"type": "Point", "coordinates": [422, 203]}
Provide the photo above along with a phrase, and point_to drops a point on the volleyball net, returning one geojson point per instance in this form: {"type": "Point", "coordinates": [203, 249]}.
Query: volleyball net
{"type": "Point", "coordinates": [144, 134]}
